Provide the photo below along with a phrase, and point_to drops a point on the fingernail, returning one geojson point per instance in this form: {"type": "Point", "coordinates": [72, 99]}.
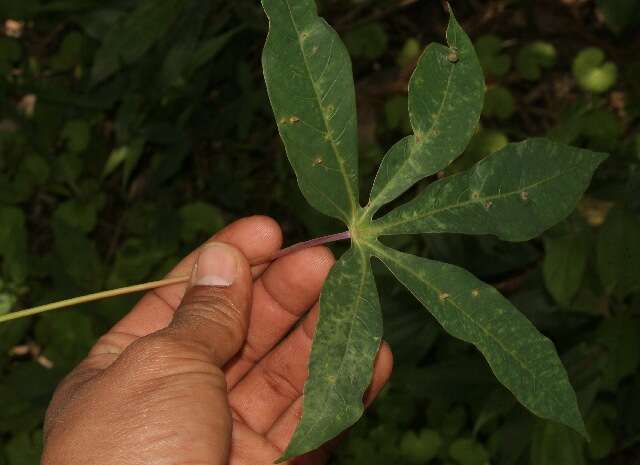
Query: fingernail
{"type": "Point", "coordinates": [216, 266]}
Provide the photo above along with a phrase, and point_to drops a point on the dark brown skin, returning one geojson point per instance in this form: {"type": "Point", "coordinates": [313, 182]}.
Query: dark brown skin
{"type": "Point", "coordinates": [202, 374]}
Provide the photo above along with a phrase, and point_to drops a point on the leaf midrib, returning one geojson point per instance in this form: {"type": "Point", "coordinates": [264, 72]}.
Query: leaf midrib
{"type": "Point", "coordinates": [336, 152]}
{"type": "Point", "coordinates": [386, 226]}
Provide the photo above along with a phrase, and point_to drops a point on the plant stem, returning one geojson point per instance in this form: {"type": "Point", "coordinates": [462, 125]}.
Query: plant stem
{"type": "Point", "coordinates": [164, 282]}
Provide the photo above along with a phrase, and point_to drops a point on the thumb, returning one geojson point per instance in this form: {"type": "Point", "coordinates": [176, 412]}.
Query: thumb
{"type": "Point", "coordinates": [214, 312]}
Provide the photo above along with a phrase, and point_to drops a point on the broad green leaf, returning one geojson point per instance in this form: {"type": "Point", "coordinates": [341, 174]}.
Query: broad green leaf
{"type": "Point", "coordinates": [189, 52]}
{"type": "Point", "coordinates": [454, 421]}
{"type": "Point", "coordinates": [482, 144]}
{"type": "Point", "coordinates": [208, 49]}
{"type": "Point", "coordinates": [521, 358]}
{"type": "Point", "coordinates": [127, 155]}
{"type": "Point", "coordinates": [592, 72]}
{"type": "Point", "coordinates": [446, 95]}
{"type": "Point", "coordinates": [620, 337]}
{"type": "Point", "coordinates": [515, 194]}
{"type": "Point", "coordinates": [618, 253]}
{"type": "Point", "coordinates": [601, 426]}
{"type": "Point", "coordinates": [494, 62]}
{"type": "Point", "coordinates": [347, 339]}
{"type": "Point", "coordinates": [533, 57]}
{"type": "Point", "coordinates": [410, 52]}
{"type": "Point", "coordinates": [554, 444]}
{"type": "Point", "coordinates": [127, 41]}
{"type": "Point", "coordinates": [499, 103]}
{"type": "Point", "coordinates": [13, 243]}
{"type": "Point", "coordinates": [24, 448]}
{"type": "Point", "coordinates": [564, 265]}
{"type": "Point", "coordinates": [82, 263]}
{"type": "Point", "coordinates": [200, 218]}
{"type": "Point", "coordinates": [310, 84]}
{"type": "Point", "coordinates": [421, 447]}
{"type": "Point", "coordinates": [368, 41]}
{"type": "Point", "coordinates": [71, 52]}
{"type": "Point", "coordinates": [81, 214]}
{"type": "Point", "coordinates": [77, 135]}
{"type": "Point", "coordinates": [602, 129]}
{"type": "Point", "coordinates": [467, 451]}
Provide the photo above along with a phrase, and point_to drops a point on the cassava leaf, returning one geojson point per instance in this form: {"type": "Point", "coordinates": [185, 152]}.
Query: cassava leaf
{"type": "Point", "coordinates": [515, 194]}
{"type": "Point", "coordinates": [348, 335]}
{"type": "Point", "coordinates": [446, 96]}
{"type": "Point", "coordinates": [521, 358]}
{"type": "Point", "coordinates": [310, 84]}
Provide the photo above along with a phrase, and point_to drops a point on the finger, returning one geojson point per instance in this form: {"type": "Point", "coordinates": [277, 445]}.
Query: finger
{"type": "Point", "coordinates": [214, 314]}
{"type": "Point", "coordinates": [277, 380]}
{"type": "Point", "coordinates": [282, 431]}
{"type": "Point", "coordinates": [255, 237]}
{"type": "Point", "coordinates": [281, 296]}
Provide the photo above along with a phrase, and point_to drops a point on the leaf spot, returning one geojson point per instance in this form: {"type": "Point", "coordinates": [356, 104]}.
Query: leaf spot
{"type": "Point", "coordinates": [524, 195]}
{"type": "Point", "coordinates": [453, 56]}
{"type": "Point", "coordinates": [304, 35]}
{"type": "Point", "coordinates": [444, 296]}
{"type": "Point", "coordinates": [475, 195]}
{"type": "Point", "coordinates": [318, 161]}
{"type": "Point", "coordinates": [293, 120]}
{"type": "Point", "coordinates": [488, 205]}
{"type": "Point", "coordinates": [475, 293]}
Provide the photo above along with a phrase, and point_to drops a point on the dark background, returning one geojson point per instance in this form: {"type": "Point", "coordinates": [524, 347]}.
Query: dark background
{"type": "Point", "coordinates": [131, 130]}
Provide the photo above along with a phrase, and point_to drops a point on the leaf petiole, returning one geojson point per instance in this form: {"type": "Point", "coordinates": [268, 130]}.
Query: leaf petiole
{"type": "Point", "coordinates": [164, 282]}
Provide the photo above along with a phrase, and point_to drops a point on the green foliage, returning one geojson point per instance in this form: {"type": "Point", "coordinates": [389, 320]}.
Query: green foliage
{"type": "Point", "coordinates": [369, 41]}
{"type": "Point", "coordinates": [515, 194]}
{"type": "Point", "coordinates": [592, 72]}
{"type": "Point", "coordinates": [420, 447]}
{"type": "Point", "coordinates": [499, 103]}
{"type": "Point", "coordinates": [128, 40]}
{"type": "Point", "coordinates": [619, 253]}
{"type": "Point", "coordinates": [565, 262]}
{"type": "Point", "coordinates": [534, 57]}
{"type": "Point", "coordinates": [494, 61]}
{"type": "Point", "coordinates": [193, 142]}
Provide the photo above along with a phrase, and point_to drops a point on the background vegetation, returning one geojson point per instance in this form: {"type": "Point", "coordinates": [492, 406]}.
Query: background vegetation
{"type": "Point", "coordinates": [131, 130]}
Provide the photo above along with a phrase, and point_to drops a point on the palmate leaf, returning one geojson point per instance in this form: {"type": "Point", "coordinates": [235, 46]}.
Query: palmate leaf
{"type": "Point", "coordinates": [515, 194]}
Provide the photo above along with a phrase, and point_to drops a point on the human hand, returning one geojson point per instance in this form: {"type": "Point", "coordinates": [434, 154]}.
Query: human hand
{"type": "Point", "coordinates": [206, 374]}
